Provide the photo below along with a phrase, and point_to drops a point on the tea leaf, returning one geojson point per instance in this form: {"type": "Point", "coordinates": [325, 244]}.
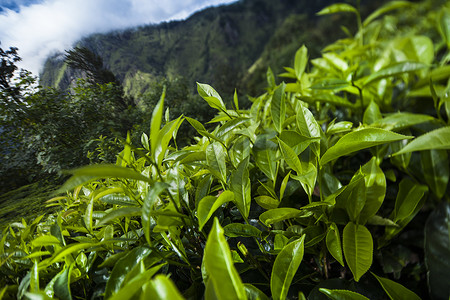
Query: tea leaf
{"type": "Point", "coordinates": [120, 213]}
{"type": "Point", "coordinates": [395, 69]}
{"type": "Point", "coordinates": [215, 157]}
{"type": "Point", "coordinates": [384, 9]}
{"type": "Point", "coordinates": [408, 197]}
{"type": "Point", "coordinates": [148, 206]}
{"type": "Point", "coordinates": [241, 187]}
{"type": "Point", "coordinates": [209, 204]}
{"type": "Point", "coordinates": [336, 8]}
{"type": "Point", "coordinates": [395, 290]}
{"type": "Point", "coordinates": [342, 294]}
{"type": "Point", "coordinates": [375, 191]}
{"type": "Point", "coordinates": [278, 107]}
{"type": "Point", "coordinates": [300, 62]}
{"type": "Point", "coordinates": [61, 286]}
{"type": "Point", "coordinates": [243, 230]}
{"type": "Point", "coordinates": [436, 139]}
{"type": "Point", "coordinates": [155, 124]}
{"type": "Point", "coordinates": [333, 241]}
{"type": "Point", "coordinates": [358, 249]}
{"type": "Point", "coordinates": [223, 276]}
{"type": "Point", "coordinates": [134, 285]}
{"type": "Point", "coordinates": [210, 96]}
{"type": "Point", "coordinates": [360, 139]}
{"type": "Point", "coordinates": [161, 288]}
{"type": "Point", "coordinates": [284, 268]}
{"type": "Point", "coordinates": [280, 214]}
{"type": "Point", "coordinates": [124, 265]}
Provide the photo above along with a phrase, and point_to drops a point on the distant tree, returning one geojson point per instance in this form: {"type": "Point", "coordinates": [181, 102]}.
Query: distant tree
{"type": "Point", "coordinates": [81, 58]}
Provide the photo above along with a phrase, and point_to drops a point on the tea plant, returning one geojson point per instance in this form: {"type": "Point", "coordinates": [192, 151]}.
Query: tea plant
{"type": "Point", "coordinates": [310, 192]}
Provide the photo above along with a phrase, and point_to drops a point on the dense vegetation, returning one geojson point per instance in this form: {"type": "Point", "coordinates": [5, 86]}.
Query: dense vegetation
{"type": "Point", "coordinates": [332, 184]}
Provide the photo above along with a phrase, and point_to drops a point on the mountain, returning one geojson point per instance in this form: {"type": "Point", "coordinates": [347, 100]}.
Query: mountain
{"type": "Point", "coordinates": [228, 46]}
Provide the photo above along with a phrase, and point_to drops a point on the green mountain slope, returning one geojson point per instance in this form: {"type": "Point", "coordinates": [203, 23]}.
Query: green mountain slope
{"type": "Point", "coordinates": [229, 46]}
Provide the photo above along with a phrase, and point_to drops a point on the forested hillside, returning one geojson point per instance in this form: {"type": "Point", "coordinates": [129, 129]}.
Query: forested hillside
{"type": "Point", "coordinates": [229, 46]}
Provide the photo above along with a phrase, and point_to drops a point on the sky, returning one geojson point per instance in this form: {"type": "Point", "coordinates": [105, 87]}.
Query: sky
{"type": "Point", "coordinates": [40, 28]}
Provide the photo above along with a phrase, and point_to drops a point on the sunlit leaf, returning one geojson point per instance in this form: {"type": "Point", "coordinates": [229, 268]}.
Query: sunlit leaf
{"type": "Point", "coordinates": [336, 8]}
{"type": "Point", "coordinates": [278, 107]}
{"type": "Point", "coordinates": [436, 139]}
{"type": "Point", "coordinates": [333, 241]}
{"type": "Point", "coordinates": [148, 206]}
{"type": "Point", "coordinates": [395, 69]}
{"type": "Point", "coordinates": [358, 249]}
{"type": "Point", "coordinates": [209, 204]}
{"type": "Point", "coordinates": [122, 267]}
{"type": "Point", "coordinates": [216, 159]}
{"type": "Point", "coordinates": [284, 268]}
{"type": "Point", "coordinates": [161, 288]}
{"type": "Point", "coordinates": [155, 125]}
{"type": "Point", "coordinates": [358, 140]}
{"type": "Point", "coordinates": [342, 294]}
{"type": "Point", "coordinates": [223, 276]}
{"type": "Point", "coordinates": [395, 290]}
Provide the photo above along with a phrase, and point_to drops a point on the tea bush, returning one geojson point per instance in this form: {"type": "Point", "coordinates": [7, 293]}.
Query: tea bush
{"type": "Point", "coordinates": [320, 190]}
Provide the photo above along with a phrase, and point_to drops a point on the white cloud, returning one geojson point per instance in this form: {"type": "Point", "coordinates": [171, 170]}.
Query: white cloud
{"type": "Point", "coordinates": [39, 30]}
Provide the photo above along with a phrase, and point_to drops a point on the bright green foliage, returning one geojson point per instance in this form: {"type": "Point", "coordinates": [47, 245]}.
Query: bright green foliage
{"type": "Point", "coordinates": [315, 181]}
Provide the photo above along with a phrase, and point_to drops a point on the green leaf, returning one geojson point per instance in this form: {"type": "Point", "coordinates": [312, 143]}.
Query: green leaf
{"type": "Point", "coordinates": [223, 276]}
{"type": "Point", "coordinates": [401, 120]}
{"type": "Point", "coordinates": [337, 8]}
{"type": "Point", "coordinates": [436, 139]}
{"type": "Point", "coordinates": [61, 286]}
{"type": "Point", "coordinates": [333, 241]}
{"type": "Point", "coordinates": [63, 252]}
{"type": "Point", "coordinates": [267, 202]}
{"type": "Point", "coordinates": [384, 9]}
{"type": "Point", "coordinates": [342, 294]}
{"type": "Point", "coordinates": [308, 126]}
{"type": "Point", "coordinates": [395, 290]}
{"type": "Point", "coordinates": [264, 152]}
{"type": "Point", "coordinates": [280, 214]}
{"type": "Point", "coordinates": [375, 191]}
{"type": "Point", "coordinates": [394, 70]}
{"type": "Point", "coordinates": [119, 214]}
{"type": "Point", "coordinates": [163, 139]}
{"type": "Point", "coordinates": [45, 240]}
{"type": "Point", "coordinates": [241, 187]}
{"type": "Point", "coordinates": [372, 113]}
{"type": "Point", "coordinates": [290, 157]}
{"type": "Point", "coordinates": [278, 107]}
{"type": "Point", "coordinates": [34, 280]}
{"type": "Point", "coordinates": [358, 140]}
{"type": "Point", "coordinates": [124, 265]}
{"type": "Point", "coordinates": [358, 249]}
{"type": "Point", "coordinates": [85, 174]}
{"type": "Point", "coordinates": [284, 268]}
{"type": "Point", "coordinates": [155, 124]}
{"type": "Point", "coordinates": [88, 215]}
{"type": "Point", "coordinates": [334, 84]}
{"type": "Point", "coordinates": [147, 208]}
{"type": "Point", "coordinates": [209, 204]}
{"type": "Point", "coordinates": [300, 62]}
{"type": "Point", "coordinates": [435, 167]}
{"type": "Point", "coordinates": [161, 288]}
{"type": "Point", "coordinates": [408, 197]}
{"type": "Point", "coordinates": [253, 293]}
{"type": "Point", "coordinates": [211, 96]}
{"type": "Point", "coordinates": [241, 230]}
{"type": "Point", "coordinates": [216, 160]}
{"type": "Point", "coordinates": [128, 291]}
